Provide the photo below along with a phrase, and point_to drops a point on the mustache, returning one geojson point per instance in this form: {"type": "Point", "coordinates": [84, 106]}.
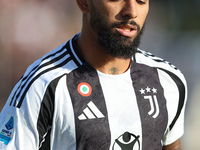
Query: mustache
{"type": "Point", "coordinates": [129, 22]}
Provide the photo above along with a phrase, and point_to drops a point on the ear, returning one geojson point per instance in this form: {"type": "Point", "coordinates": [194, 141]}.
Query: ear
{"type": "Point", "coordinates": [83, 5]}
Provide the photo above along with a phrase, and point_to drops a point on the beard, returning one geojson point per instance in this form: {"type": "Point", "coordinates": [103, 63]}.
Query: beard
{"type": "Point", "coordinates": [114, 44]}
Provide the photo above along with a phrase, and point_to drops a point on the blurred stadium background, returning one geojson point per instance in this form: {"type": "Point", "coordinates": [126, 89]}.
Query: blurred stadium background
{"type": "Point", "coordinates": [31, 28]}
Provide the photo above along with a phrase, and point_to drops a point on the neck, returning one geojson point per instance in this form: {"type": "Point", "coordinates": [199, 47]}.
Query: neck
{"type": "Point", "coordinates": [90, 50]}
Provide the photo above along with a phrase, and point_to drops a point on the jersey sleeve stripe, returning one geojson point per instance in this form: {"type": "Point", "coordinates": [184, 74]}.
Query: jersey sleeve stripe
{"type": "Point", "coordinates": [32, 72]}
{"type": "Point", "coordinates": [36, 77]}
{"type": "Point", "coordinates": [182, 93]}
{"type": "Point", "coordinates": [38, 71]}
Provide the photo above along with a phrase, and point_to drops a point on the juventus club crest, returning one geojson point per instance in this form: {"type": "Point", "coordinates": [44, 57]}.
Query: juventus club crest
{"type": "Point", "coordinates": [150, 95]}
{"type": "Point", "coordinates": [127, 141]}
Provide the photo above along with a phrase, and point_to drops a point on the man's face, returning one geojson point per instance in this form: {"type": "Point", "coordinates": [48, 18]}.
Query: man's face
{"type": "Point", "coordinates": [118, 25]}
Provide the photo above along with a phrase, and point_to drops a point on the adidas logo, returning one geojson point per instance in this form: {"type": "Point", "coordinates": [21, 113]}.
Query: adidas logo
{"type": "Point", "coordinates": [91, 112]}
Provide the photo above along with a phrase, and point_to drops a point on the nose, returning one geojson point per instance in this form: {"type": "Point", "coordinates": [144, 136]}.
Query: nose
{"type": "Point", "coordinates": [129, 10]}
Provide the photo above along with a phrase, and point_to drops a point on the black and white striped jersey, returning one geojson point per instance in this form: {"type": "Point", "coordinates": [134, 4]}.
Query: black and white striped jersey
{"type": "Point", "coordinates": [62, 103]}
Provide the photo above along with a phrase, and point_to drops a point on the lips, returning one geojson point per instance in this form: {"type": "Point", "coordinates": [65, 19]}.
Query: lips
{"type": "Point", "coordinates": [127, 30]}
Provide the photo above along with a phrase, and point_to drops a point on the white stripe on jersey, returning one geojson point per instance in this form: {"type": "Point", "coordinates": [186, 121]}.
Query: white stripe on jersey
{"type": "Point", "coordinates": [121, 121]}
{"type": "Point", "coordinates": [63, 129]}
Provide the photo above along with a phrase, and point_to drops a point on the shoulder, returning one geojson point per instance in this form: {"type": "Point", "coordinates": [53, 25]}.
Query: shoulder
{"type": "Point", "coordinates": [152, 60]}
{"type": "Point", "coordinates": [149, 59]}
{"type": "Point", "coordinates": [42, 72]}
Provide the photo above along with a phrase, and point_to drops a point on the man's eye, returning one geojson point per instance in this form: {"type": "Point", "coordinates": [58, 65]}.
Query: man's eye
{"type": "Point", "coordinates": [141, 2]}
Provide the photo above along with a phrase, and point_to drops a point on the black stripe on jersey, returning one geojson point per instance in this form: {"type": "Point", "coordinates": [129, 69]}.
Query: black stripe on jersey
{"type": "Point", "coordinates": [153, 128]}
{"type": "Point", "coordinates": [45, 116]}
{"type": "Point", "coordinates": [91, 134]}
{"type": "Point", "coordinates": [31, 73]}
{"type": "Point", "coordinates": [182, 91]}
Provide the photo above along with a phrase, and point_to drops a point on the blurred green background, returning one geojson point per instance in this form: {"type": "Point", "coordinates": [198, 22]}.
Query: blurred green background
{"type": "Point", "coordinates": [31, 28]}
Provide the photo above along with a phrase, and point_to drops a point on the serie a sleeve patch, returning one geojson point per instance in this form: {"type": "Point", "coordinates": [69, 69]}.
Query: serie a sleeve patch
{"type": "Point", "coordinates": [7, 130]}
